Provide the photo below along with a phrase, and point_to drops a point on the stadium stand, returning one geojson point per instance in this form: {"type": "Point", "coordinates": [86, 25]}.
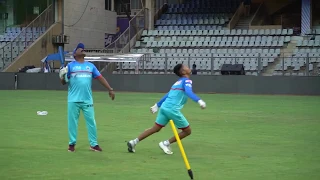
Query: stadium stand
{"type": "Point", "coordinates": [196, 33]}
{"type": "Point", "coordinates": [22, 38]}
{"type": "Point", "coordinates": [305, 57]}
{"type": "Point", "coordinates": [224, 46]}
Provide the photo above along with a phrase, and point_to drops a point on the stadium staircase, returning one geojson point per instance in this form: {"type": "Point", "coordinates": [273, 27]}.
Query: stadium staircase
{"type": "Point", "coordinates": [301, 56]}
{"type": "Point", "coordinates": [244, 22]}
{"type": "Point", "coordinates": [284, 52]}
{"type": "Point", "coordinates": [26, 46]}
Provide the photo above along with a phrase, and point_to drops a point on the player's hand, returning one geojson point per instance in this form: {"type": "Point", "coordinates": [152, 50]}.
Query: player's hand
{"type": "Point", "coordinates": [112, 95]}
{"type": "Point", "coordinates": [202, 104]}
{"type": "Point", "coordinates": [154, 109]}
{"type": "Point", "coordinates": [63, 71]}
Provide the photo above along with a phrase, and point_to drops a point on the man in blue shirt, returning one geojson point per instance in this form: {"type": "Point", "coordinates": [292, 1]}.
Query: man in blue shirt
{"type": "Point", "coordinates": [78, 75]}
{"type": "Point", "coordinates": [170, 106]}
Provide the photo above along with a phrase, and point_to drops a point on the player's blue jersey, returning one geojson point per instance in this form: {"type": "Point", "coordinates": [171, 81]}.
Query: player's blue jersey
{"type": "Point", "coordinates": [80, 77]}
{"type": "Point", "coordinates": [178, 95]}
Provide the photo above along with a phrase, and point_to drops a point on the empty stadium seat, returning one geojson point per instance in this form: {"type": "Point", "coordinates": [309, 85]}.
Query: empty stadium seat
{"type": "Point", "coordinates": [192, 44]}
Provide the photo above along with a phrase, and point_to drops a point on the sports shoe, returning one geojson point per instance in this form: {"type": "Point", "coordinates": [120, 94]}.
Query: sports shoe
{"type": "Point", "coordinates": [166, 149]}
{"type": "Point", "coordinates": [96, 148]}
{"type": "Point", "coordinates": [71, 148]}
{"type": "Point", "coordinates": [131, 145]}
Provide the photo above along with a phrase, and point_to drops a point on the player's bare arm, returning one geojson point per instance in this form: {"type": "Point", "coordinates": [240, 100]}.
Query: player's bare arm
{"type": "Point", "coordinates": [105, 83]}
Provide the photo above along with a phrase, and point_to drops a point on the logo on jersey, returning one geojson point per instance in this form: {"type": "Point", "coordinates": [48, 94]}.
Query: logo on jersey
{"type": "Point", "coordinates": [88, 68]}
{"type": "Point", "coordinates": [189, 81]}
{"type": "Point", "coordinates": [177, 83]}
{"type": "Point", "coordinates": [84, 75]}
{"type": "Point", "coordinates": [76, 68]}
{"type": "Point", "coordinates": [81, 75]}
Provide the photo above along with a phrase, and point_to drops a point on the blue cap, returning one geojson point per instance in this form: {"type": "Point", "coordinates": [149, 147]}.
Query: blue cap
{"type": "Point", "coordinates": [80, 45]}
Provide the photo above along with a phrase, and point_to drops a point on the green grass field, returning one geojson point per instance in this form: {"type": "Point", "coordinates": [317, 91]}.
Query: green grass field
{"type": "Point", "coordinates": [238, 137]}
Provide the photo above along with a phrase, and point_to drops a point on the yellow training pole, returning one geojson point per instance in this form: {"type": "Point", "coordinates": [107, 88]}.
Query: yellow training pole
{"type": "Point", "coordinates": [184, 156]}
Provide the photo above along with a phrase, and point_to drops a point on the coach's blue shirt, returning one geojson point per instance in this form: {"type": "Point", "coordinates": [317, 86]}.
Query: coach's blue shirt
{"type": "Point", "coordinates": [178, 95]}
{"type": "Point", "coordinates": [80, 77]}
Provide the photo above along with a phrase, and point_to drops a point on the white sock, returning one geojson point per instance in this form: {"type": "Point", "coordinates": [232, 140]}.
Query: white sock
{"type": "Point", "coordinates": [136, 140]}
{"type": "Point", "coordinates": [166, 143]}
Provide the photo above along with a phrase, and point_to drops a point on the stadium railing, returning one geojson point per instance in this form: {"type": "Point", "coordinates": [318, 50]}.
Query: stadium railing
{"type": "Point", "coordinates": [2, 25]}
{"type": "Point", "coordinates": [258, 15]}
{"type": "Point", "coordinates": [264, 65]}
{"type": "Point", "coordinates": [18, 44]}
{"type": "Point", "coordinates": [128, 38]}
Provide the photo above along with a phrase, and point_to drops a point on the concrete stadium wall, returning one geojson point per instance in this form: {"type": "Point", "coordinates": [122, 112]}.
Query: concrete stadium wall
{"type": "Point", "coordinates": [274, 5]}
{"type": "Point", "coordinates": [161, 83]}
{"type": "Point", "coordinates": [91, 28]}
{"type": "Point", "coordinates": [7, 81]}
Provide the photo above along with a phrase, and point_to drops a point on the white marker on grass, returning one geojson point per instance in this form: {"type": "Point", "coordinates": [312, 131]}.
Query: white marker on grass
{"type": "Point", "coordinates": [42, 113]}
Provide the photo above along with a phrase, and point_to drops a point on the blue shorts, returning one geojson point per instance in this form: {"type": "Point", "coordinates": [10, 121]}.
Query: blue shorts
{"type": "Point", "coordinates": [165, 115]}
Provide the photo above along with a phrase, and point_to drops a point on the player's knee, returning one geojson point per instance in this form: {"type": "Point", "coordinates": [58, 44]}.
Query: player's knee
{"type": "Point", "coordinates": [187, 131]}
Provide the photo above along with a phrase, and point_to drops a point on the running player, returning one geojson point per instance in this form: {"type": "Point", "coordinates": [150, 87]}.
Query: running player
{"type": "Point", "coordinates": [170, 106]}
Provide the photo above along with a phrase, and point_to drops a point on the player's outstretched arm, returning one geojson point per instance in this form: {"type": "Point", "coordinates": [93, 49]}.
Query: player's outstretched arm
{"type": "Point", "coordinates": [155, 107]}
{"type": "Point", "coordinates": [192, 95]}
